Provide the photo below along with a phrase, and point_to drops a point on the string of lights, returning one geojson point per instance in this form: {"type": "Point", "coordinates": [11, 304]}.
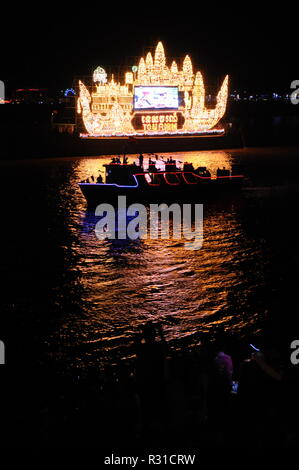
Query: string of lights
{"type": "Point", "coordinates": [109, 108]}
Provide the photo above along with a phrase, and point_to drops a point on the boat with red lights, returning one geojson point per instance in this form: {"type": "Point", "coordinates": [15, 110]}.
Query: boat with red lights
{"type": "Point", "coordinates": [166, 181]}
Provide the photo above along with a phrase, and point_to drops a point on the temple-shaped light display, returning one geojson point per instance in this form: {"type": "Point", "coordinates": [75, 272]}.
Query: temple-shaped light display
{"type": "Point", "coordinates": [154, 100]}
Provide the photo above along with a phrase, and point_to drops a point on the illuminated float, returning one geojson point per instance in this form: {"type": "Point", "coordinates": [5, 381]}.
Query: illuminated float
{"type": "Point", "coordinates": [154, 100]}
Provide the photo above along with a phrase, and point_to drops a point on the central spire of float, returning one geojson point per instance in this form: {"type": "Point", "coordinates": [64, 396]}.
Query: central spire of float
{"type": "Point", "coordinates": [160, 60]}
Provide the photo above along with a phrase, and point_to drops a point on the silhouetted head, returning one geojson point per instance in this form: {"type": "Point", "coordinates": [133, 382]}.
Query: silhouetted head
{"type": "Point", "coordinates": [149, 332]}
{"type": "Point", "coordinates": [223, 341]}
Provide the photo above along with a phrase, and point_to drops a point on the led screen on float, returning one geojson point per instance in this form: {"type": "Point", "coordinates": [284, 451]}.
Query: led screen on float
{"type": "Point", "coordinates": [156, 97]}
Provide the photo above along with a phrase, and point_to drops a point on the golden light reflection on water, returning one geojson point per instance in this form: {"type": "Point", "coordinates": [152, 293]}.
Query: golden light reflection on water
{"type": "Point", "coordinates": [124, 283]}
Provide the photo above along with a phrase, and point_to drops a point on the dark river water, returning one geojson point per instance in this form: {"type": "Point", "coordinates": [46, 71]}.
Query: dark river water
{"type": "Point", "coordinates": [69, 299]}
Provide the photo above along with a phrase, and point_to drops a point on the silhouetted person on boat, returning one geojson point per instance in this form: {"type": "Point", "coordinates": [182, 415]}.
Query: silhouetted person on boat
{"type": "Point", "coordinates": [125, 160]}
{"type": "Point", "coordinates": [140, 160]}
{"type": "Point", "coordinates": [188, 166]}
{"type": "Point", "coordinates": [151, 165]}
{"type": "Point", "coordinates": [118, 159]}
{"type": "Point", "coordinates": [99, 179]}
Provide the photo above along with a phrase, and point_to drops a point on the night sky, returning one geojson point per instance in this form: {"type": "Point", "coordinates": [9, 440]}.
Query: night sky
{"type": "Point", "coordinates": [48, 48]}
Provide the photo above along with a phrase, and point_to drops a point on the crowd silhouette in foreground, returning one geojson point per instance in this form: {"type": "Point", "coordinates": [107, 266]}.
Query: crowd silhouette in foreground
{"type": "Point", "coordinates": [205, 398]}
{"type": "Point", "coordinates": [208, 396]}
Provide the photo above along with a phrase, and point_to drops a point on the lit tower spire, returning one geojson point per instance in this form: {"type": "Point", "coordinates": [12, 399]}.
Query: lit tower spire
{"type": "Point", "coordinates": [199, 92]}
{"type": "Point", "coordinates": [141, 70]}
{"type": "Point", "coordinates": [160, 60]}
{"type": "Point", "coordinates": [222, 98]}
{"type": "Point", "coordinates": [187, 67]}
{"type": "Point", "coordinates": [149, 62]}
{"type": "Point", "coordinates": [174, 67]}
